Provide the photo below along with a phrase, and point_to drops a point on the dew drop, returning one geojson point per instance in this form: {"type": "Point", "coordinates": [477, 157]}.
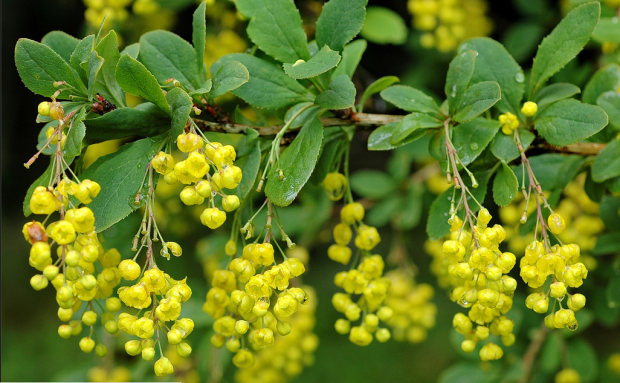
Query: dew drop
{"type": "Point", "coordinates": [473, 146]}
{"type": "Point", "coordinates": [519, 77]}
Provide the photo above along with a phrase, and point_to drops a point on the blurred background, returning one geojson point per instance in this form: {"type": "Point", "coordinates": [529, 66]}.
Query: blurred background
{"type": "Point", "coordinates": [409, 43]}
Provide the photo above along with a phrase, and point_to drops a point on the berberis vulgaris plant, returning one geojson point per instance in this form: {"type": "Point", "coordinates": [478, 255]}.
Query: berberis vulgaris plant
{"type": "Point", "coordinates": [497, 129]}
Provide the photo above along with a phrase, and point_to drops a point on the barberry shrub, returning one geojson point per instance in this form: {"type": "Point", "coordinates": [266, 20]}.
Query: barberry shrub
{"type": "Point", "coordinates": [547, 155]}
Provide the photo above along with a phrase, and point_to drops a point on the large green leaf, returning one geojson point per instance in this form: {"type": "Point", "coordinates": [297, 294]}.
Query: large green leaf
{"type": "Point", "coordinates": [297, 163]}
{"type": "Point", "coordinates": [275, 26]}
{"type": "Point", "coordinates": [477, 99]}
{"type": "Point", "coordinates": [569, 121]}
{"type": "Point", "coordinates": [505, 148]}
{"type": "Point", "coordinates": [81, 54]}
{"type": "Point", "coordinates": [250, 170]}
{"type": "Point", "coordinates": [199, 35]}
{"type": "Point", "coordinates": [459, 75]}
{"type": "Point", "coordinates": [144, 120]}
{"type": "Point", "coordinates": [607, 30]}
{"type": "Point", "coordinates": [229, 77]}
{"type": "Point", "coordinates": [494, 63]}
{"type": "Point", "coordinates": [328, 155]}
{"type": "Point", "coordinates": [606, 243]}
{"type": "Point", "coordinates": [75, 135]}
{"type": "Point", "coordinates": [554, 92]}
{"type": "Point", "coordinates": [269, 86]}
{"type": "Point", "coordinates": [471, 138]}
{"type": "Point", "coordinates": [583, 359]}
{"type": "Point", "coordinates": [323, 61]}
{"type": "Point", "coordinates": [384, 26]}
{"type": "Point", "coordinates": [106, 84]}
{"type": "Point", "coordinates": [180, 106]}
{"type": "Point", "coordinates": [61, 43]}
{"type": "Point", "coordinates": [340, 94]}
{"type": "Point", "coordinates": [372, 184]}
{"type": "Point", "coordinates": [607, 163]}
{"type": "Point", "coordinates": [339, 22]}
{"type": "Point", "coordinates": [610, 102]}
{"type": "Point", "coordinates": [351, 56]}
{"type": "Point", "coordinates": [553, 171]}
{"type": "Point", "coordinates": [39, 67]}
{"type": "Point", "coordinates": [134, 78]}
{"type": "Point", "coordinates": [409, 99]}
{"type": "Point", "coordinates": [94, 66]}
{"type": "Point", "coordinates": [381, 138]}
{"type": "Point", "coordinates": [376, 87]}
{"type": "Point", "coordinates": [120, 175]}
{"type": "Point", "coordinates": [167, 55]}
{"type": "Point", "coordinates": [563, 43]}
{"type": "Point", "coordinates": [605, 79]}
{"type": "Point", "coordinates": [412, 122]}
{"type": "Point", "coordinates": [505, 186]}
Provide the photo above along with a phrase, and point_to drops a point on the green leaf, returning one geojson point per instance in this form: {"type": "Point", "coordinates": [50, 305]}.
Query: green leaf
{"type": "Point", "coordinates": [121, 175]}
{"type": "Point", "coordinates": [613, 292]}
{"type": "Point", "coordinates": [569, 121]}
{"type": "Point", "coordinates": [477, 99]}
{"type": "Point", "coordinates": [593, 190]}
{"type": "Point", "coordinates": [606, 315]}
{"type": "Point", "coordinates": [250, 171]}
{"type": "Point", "coordinates": [199, 35]}
{"type": "Point", "coordinates": [351, 56]}
{"type": "Point", "coordinates": [608, 211]}
{"type": "Point", "coordinates": [411, 123]}
{"type": "Point", "coordinates": [607, 30]}
{"type": "Point", "coordinates": [522, 38]}
{"type": "Point", "coordinates": [372, 184]}
{"type": "Point", "coordinates": [106, 84]}
{"type": "Point", "coordinates": [132, 50]}
{"type": "Point", "coordinates": [339, 22]}
{"type": "Point", "coordinates": [297, 163]}
{"type": "Point", "coordinates": [43, 180]}
{"type": "Point", "coordinates": [564, 43]}
{"type": "Point", "coordinates": [505, 148]}
{"type": "Point", "coordinates": [307, 114]}
{"type": "Point", "coordinates": [229, 77]}
{"type": "Point", "coordinates": [134, 78]}
{"type": "Point", "coordinates": [276, 27]}
{"type": "Point", "coordinates": [467, 372]}
{"type": "Point", "coordinates": [144, 120]}
{"type": "Point", "coordinates": [610, 102]}
{"type": "Point", "coordinates": [269, 86]}
{"type": "Point", "coordinates": [180, 106]}
{"type": "Point", "coordinates": [607, 244]}
{"type": "Point", "coordinates": [326, 159]}
{"type": "Point", "coordinates": [472, 137]}
{"type": "Point", "coordinates": [39, 67]}
{"type": "Point", "coordinates": [381, 138]}
{"type": "Point", "coordinates": [550, 357]}
{"type": "Point", "coordinates": [204, 89]}
{"type": "Point", "coordinates": [554, 92]}
{"type": "Point", "coordinates": [408, 215]}
{"type": "Point", "coordinates": [607, 164]}
{"type": "Point", "coordinates": [323, 61]}
{"type": "Point", "coordinates": [376, 87]}
{"type": "Point", "coordinates": [505, 186]}
{"type": "Point", "coordinates": [384, 26]}
{"type": "Point", "coordinates": [61, 43]}
{"type": "Point", "coordinates": [340, 94]}
{"type": "Point", "coordinates": [94, 66]}
{"type": "Point", "coordinates": [75, 135]}
{"type": "Point", "coordinates": [459, 74]}
{"type": "Point", "coordinates": [81, 54]}
{"type": "Point", "coordinates": [410, 99]}
{"type": "Point", "coordinates": [167, 55]}
{"type": "Point", "coordinates": [583, 359]}
{"type": "Point", "coordinates": [381, 214]}
{"type": "Point", "coordinates": [494, 63]}
{"type": "Point", "coordinates": [604, 80]}
{"type": "Point", "coordinates": [553, 171]}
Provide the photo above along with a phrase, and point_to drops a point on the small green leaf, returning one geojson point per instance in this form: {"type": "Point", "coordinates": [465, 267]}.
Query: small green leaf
{"type": "Point", "coordinates": [199, 35]}
{"type": "Point", "coordinates": [477, 99]}
{"type": "Point", "coordinates": [613, 292]}
{"type": "Point", "coordinates": [583, 359]}
{"type": "Point", "coordinates": [132, 50]}
{"type": "Point", "coordinates": [494, 63]}
{"type": "Point", "coordinates": [323, 61]}
{"type": "Point", "coordinates": [381, 138]}
{"type": "Point", "coordinates": [569, 121]}
{"type": "Point", "coordinates": [505, 186]}
{"type": "Point", "coordinates": [167, 55]}
{"type": "Point", "coordinates": [81, 54]}
{"type": "Point", "coordinates": [408, 215]}
{"type": "Point", "coordinates": [120, 174]}
{"type": "Point", "coordinates": [605, 79]}
{"type": "Point", "coordinates": [550, 358]}
{"type": "Point", "coordinates": [505, 148]}
{"type": "Point", "coordinates": [229, 77]}
{"type": "Point", "coordinates": [297, 163]}
{"type": "Point", "coordinates": [339, 22]}
{"type": "Point", "coordinates": [605, 315]}
{"type": "Point", "coordinates": [61, 43]}
{"type": "Point", "coordinates": [555, 92]}
{"type": "Point", "coordinates": [467, 372]}
{"type": "Point", "coordinates": [472, 137]}
{"type": "Point", "coordinates": [204, 89]}
{"type": "Point", "coordinates": [276, 27]}
{"type": "Point", "coordinates": [340, 94]}
{"type": "Point", "coordinates": [553, 171]}
{"type": "Point", "coordinates": [43, 180]}
{"type": "Point", "coordinates": [563, 43]}
{"type": "Point", "coordinates": [372, 184]}
{"type": "Point", "coordinates": [410, 99]}
{"type": "Point", "coordinates": [593, 190]}
{"type": "Point", "coordinates": [75, 135]}
{"type": "Point", "coordinates": [39, 67]}
{"type": "Point", "coordinates": [607, 164]}
{"type": "Point", "coordinates": [180, 107]}
{"type": "Point", "coordinates": [522, 38]}
{"type": "Point", "coordinates": [384, 26]}
{"type": "Point", "coordinates": [144, 120]}
{"type": "Point", "coordinates": [608, 211]}
{"type": "Point", "coordinates": [106, 84]}
{"type": "Point", "coordinates": [607, 244]}
{"type": "Point", "coordinates": [381, 214]}
{"type": "Point", "coordinates": [412, 122]}
{"type": "Point", "coordinates": [376, 87]}
{"type": "Point", "coordinates": [607, 30]}
{"type": "Point", "coordinates": [250, 170]}
{"type": "Point", "coordinates": [134, 78]}
{"type": "Point", "coordinates": [94, 66]}
{"type": "Point", "coordinates": [351, 56]}
{"type": "Point", "coordinates": [459, 74]}
{"type": "Point", "coordinates": [269, 86]}
{"type": "Point", "coordinates": [610, 102]}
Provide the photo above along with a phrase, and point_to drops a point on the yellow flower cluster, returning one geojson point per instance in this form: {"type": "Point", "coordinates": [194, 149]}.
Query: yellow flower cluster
{"type": "Point", "coordinates": [446, 23]}
{"type": "Point", "coordinates": [153, 16]}
{"type": "Point", "coordinates": [413, 312]}
{"type": "Point", "coordinates": [111, 10]}
{"type": "Point", "coordinates": [476, 267]}
{"type": "Point", "coordinates": [289, 354]}
{"type": "Point", "coordinates": [100, 374]}
{"type": "Point", "coordinates": [243, 305]}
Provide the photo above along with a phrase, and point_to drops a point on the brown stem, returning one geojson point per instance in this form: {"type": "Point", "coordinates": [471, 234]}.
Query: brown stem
{"type": "Point", "coordinates": [532, 351]}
